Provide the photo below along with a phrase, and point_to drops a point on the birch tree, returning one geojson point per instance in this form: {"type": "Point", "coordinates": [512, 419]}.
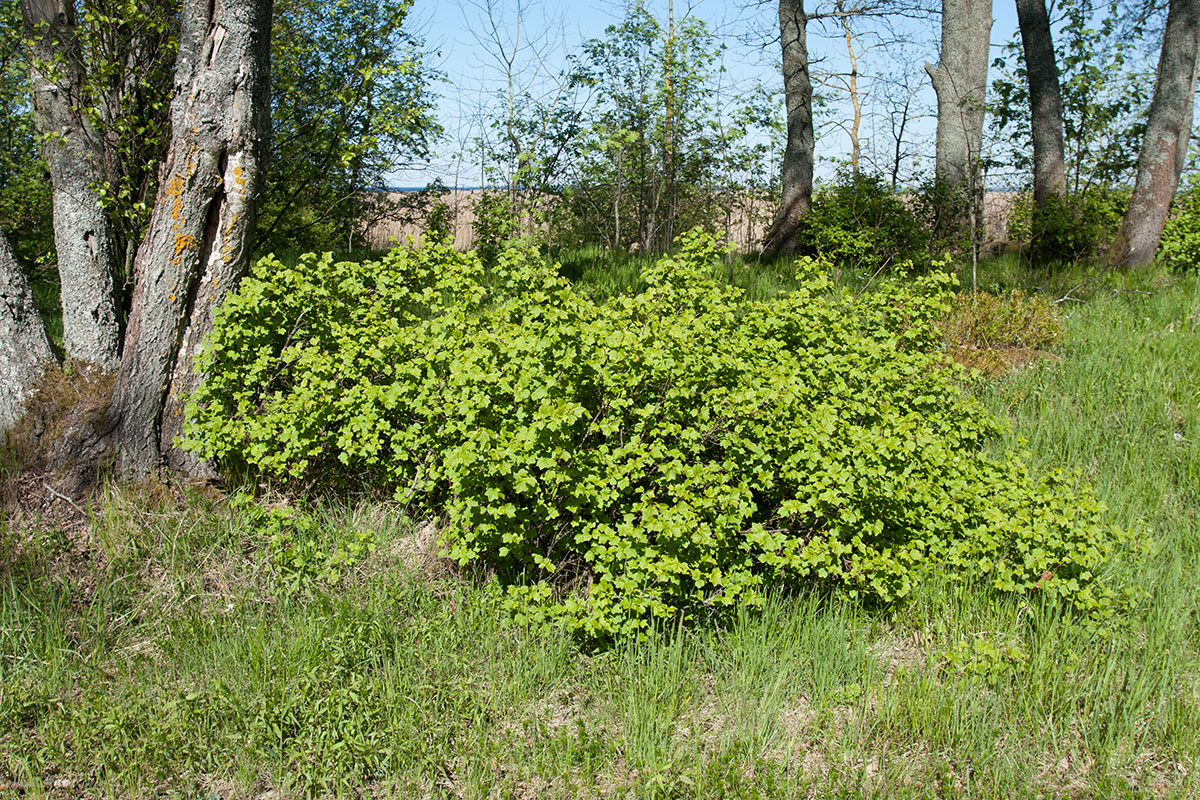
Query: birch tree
{"type": "Point", "coordinates": [960, 82]}
{"type": "Point", "coordinates": [1045, 103]}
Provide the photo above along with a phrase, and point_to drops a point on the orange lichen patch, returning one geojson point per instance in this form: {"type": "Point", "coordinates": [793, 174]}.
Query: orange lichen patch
{"type": "Point", "coordinates": [174, 189]}
{"type": "Point", "coordinates": [185, 242]}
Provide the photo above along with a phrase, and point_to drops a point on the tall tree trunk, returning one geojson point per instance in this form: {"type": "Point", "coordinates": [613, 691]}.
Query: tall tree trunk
{"type": "Point", "coordinates": [1045, 102]}
{"type": "Point", "coordinates": [201, 229]}
{"type": "Point", "coordinates": [960, 81]}
{"type": "Point", "coordinates": [797, 173]}
{"type": "Point", "coordinates": [24, 349]}
{"type": "Point", "coordinates": [1165, 145]}
{"type": "Point", "coordinates": [82, 229]}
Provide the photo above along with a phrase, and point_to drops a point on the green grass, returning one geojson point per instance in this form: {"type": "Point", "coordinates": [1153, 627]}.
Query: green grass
{"type": "Point", "coordinates": [46, 294]}
{"type": "Point", "coordinates": [170, 649]}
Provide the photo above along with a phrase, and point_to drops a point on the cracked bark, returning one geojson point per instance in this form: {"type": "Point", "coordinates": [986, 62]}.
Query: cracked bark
{"type": "Point", "coordinates": [1165, 144]}
{"type": "Point", "coordinates": [24, 349]}
{"type": "Point", "coordinates": [83, 234]}
{"type": "Point", "coordinates": [796, 175]}
{"type": "Point", "coordinates": [198, 242]}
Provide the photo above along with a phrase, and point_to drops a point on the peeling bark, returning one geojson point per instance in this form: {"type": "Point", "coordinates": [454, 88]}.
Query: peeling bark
{"type": "Point", "coordinates": [797, 172]}
{"type": "Point", "coordinates": [201, 229]}
{"type": "Point", "coordinates": [1165, 144]}
{"type": "Point", "coordinates": [960, 81]}
{"type": "Point", "coordinates": [83, 233]}
{"type": "Point", "coordinates": [1045, 102]}
{"type": "Point", "coordinates": [24, 349]}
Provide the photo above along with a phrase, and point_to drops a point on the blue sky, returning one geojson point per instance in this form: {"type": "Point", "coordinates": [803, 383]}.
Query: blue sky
{"type": "Point", "coordinates": [451, 30]}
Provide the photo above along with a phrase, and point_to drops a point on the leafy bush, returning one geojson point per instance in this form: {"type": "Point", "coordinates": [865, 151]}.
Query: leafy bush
{"type": "Point", "coordinates": [439, 222]}
{"type": "Point", "coordinates": [859, 223]}
{"type": "Point", "coordinates": [985, 660]}
{"type": "Point", "coordinates": [1077, 226]}
{"type": "Point", "coordinates": [944, 213]}
{"type": "Point", "coordinates": [1180, 246]}
{"type": "Point", "coordinates": [497, 221]}
{"type": "Point", "coordinates": [674, 452]}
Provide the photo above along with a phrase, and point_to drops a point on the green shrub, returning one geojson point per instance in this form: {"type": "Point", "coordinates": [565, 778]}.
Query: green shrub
{"type": "Point", "coordinates": [497, 221]}
{"type": "Point", "coordinates": [1180, 246]}
{"type": "Point", "coordinates": [303, 556]}
{"type": "Point", "coordinates": [439, 222]}
{"type": "Point", "coordinates": [859, 223]}
{"type": "Point", "coordinates": [944, 213]}
{"type": "Point", "coordinates": [1071, 228]}
{"type": "Point", "coordinates": [673, 452]}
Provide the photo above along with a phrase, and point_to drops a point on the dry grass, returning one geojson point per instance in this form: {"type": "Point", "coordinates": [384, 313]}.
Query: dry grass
{"type": "Point", "coordinates": [997, 334]}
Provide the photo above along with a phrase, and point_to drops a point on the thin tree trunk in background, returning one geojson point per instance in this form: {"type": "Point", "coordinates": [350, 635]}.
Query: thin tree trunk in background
{"type": "Point", "coordinates": [1045, 102]}
{"type": "Point", "coordinates": [1165, 145]}
{"type": "Point", "coordinates": [960, 81]}
{"type": "Point", "coordinates": [668, 127]}
{"type": "Point", "coordinates": [617, 200]}
{"type": "Point", "coordinates": [797, 173]}
{"type": "Point", "coordinates": [83, 235]}
{"type": "Point", "coordinates": [24, 349]}
{"type": "Point", "coordinates": [201, 229]}
{"type": "Point", "coordinates": [855, 100]}
{"type": "Point", "coordinates": [899, 149]}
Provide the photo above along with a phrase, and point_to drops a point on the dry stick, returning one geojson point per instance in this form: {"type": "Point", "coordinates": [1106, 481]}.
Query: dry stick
{"type": "Point", "coordinates": [870, 280]}
{"type": "Point", "coordinates": [1068, 296]}
{"type": "Point", "coordinates": [15, 786]}
{"type": "Point", "coordinates": [63, 497]}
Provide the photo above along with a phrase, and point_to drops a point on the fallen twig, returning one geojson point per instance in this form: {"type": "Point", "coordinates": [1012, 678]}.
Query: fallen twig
{"type": "Point", "coordinates": [1068, 295]}
{"type": "Point", "coordinates": [64, 498]}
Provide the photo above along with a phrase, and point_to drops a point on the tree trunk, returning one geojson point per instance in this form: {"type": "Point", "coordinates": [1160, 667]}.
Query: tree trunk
{"type": "Point", "coordinates": [201, 229]}
{"type": "Point", "coordinates": [24, 349]}
{"type": "Point", "coordinates": [797, 173]}
{"type": "Point", "coordinates": [1045, 102]}
{"type": "Point", "coordinates": [855, 99]}
{"type": "Point", "coordinates": [1165, 145]}
{"type": "Point", "coordinates": [82, 229]}
{"type": "Point", "coordinates": [960, 81]}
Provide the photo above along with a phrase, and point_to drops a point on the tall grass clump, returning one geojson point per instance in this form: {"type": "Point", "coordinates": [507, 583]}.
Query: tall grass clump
{"type": "Point", "coordinates": [993, 333]}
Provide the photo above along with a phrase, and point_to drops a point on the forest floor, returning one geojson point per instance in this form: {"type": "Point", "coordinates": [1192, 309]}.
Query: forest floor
{"type": "Point", "coordinates": [169, 642]}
